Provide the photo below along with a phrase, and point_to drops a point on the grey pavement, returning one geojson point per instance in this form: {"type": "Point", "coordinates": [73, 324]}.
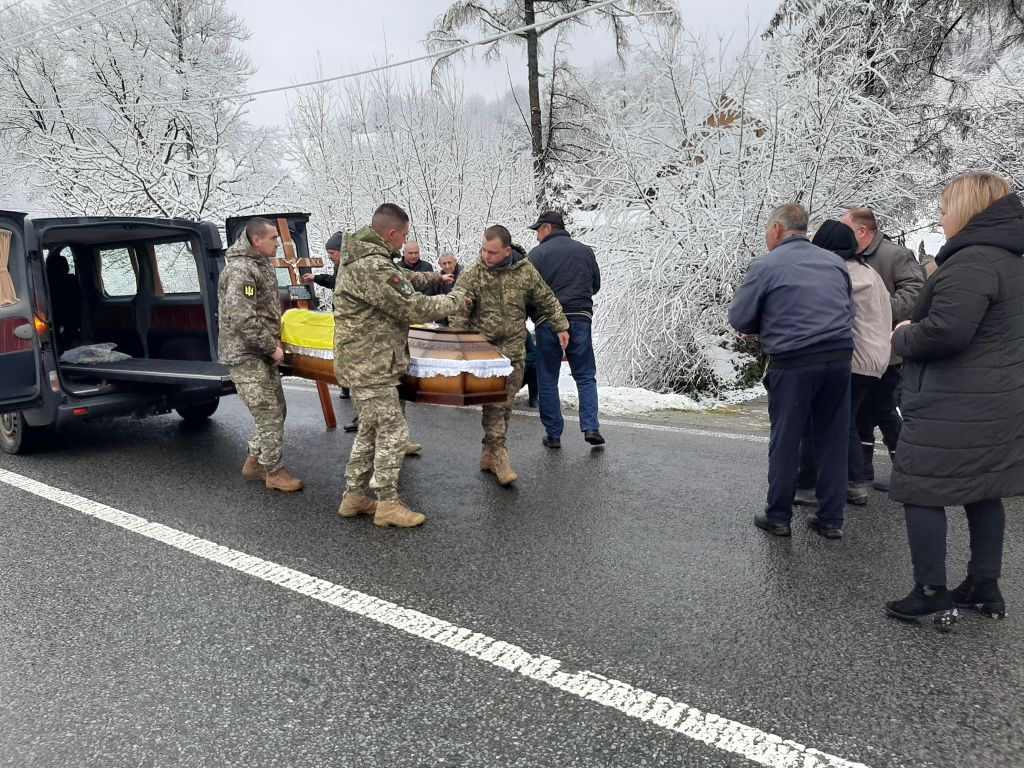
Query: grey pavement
{"type": "Point", "coordinates": [638, 562]}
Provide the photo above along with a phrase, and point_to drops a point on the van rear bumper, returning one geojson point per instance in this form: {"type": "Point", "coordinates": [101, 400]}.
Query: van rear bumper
{"type": "Point", "coordinates": [140, 403]}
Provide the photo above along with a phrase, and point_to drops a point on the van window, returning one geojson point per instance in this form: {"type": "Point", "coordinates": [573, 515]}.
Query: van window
{"type": "Point", "coordinates": [176, 267]}
{"type": "Point", "coordinates": [117, 273]}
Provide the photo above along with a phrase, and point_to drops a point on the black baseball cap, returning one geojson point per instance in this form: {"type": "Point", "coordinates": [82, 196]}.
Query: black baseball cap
{"type": "Point", "coordinates": [550, 217]}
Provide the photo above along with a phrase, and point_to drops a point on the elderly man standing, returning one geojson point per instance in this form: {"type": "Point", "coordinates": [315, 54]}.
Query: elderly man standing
{"type": "Point", "coordinates": [570, 270]}
{"type": "Point", "coordinates": [798, 299]}
{"type": "Point", "coordinates": [250, 345]}
{"type": "Point", "coordinates": [449, 266]}
{"type": "Point", "coordinates": [374, 304]}
{"type": "Point", "coordinates": [499, 288]}
{"type": "Point", "coordinates": [901, 273]}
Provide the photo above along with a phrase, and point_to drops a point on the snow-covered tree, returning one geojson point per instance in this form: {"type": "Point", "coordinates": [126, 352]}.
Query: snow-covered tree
{"type": "Point", "coordinates": [695, 156]}
{"type": "Point", "coordinates": [457, 165]}
{"type": "Point", "coordinates": [87, 123]}
{"type": "Point", "coordinates": [498, 16]}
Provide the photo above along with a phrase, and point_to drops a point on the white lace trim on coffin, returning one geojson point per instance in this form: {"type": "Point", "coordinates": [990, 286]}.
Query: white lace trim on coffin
{"type": "Point", "coordinates": [428, 367]}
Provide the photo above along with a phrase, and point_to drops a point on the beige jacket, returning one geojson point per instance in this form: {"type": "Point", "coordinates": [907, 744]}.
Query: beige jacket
{"type": "Point", "coordinates": [871, 329]}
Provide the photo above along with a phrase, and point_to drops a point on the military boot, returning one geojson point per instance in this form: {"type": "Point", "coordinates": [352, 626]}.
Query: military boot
{"type": "Point", "coordinates": [394, 512]}
{"type": "Point", "coordinates": [503, 468]}
{"type": "Point", "coordinates": [411, 448]}
{"type": "Point", "coordinates": [283, 481]}
{"type": "Point", "coordinates": [353, 504]}
{"type": "Point", "coordinates": [487, 458]}
{"type": "Point", "coordinates": [253, 468]}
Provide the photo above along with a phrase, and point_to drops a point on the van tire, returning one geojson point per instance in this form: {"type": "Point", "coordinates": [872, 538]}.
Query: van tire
{"type": "Point", "coordinates": [198, 412]}
{"type": "Point", "coordinates": [17, 437]}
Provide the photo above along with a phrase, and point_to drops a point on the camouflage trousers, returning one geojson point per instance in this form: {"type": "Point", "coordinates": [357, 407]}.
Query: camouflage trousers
{"type": "Point", "coordinates": [496, 417]}
{"type": "Point", "coordinates": [379, 448]}
{"type": "Point", "coordinates": [259, 389]}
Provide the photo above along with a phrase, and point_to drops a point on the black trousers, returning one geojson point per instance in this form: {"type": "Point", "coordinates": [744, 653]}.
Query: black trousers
{"type": "Point", "coordinates": [926, 531]}
{"type": "Point", "coordinates": [822, 392]}
{"type": "Point", "coordinates": [859, 386]}
{"type": "Point", "coordinates": [530, 380]}
{"type": "Point", "coordinates": [878, 409]}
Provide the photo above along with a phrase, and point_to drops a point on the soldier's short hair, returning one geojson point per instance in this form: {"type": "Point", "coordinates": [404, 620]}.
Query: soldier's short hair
{"type": "Point", "coordinates": [863, 217]}
{"type": "Point", "coordinates": [257, 227]}
{"type": "Point", "coordinates": [792, 218]}
{"type": "Point", "coordinates": [389, 216]}
{"type": "Point", "coordinates": [498, 232]}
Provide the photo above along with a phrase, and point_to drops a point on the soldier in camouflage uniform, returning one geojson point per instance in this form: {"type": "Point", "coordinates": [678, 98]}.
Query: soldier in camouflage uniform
{"type": "Point", "coordinates": [250, 345]}
{"type": "Point", "coordinates": [499, 286]}
{"type": "Point", "coordinates": [375, 302]}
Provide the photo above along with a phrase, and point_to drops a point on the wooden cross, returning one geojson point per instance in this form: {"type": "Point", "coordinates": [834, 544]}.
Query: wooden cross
{"type": "Point", "coordinates": [292, 263]}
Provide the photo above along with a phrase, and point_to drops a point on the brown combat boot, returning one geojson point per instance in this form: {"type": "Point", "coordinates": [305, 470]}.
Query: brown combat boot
{"type": "Point", "coordinates": [411, 448]}
{"type": "Point", "coordinates": [283, 481]}
{"type": "Point", "coordinates": [394, 512]}
{"type": "Point", "coordinates": [253, 468]}
{"type": "Point", "coordinates": [487, 458]}
{"type": "Point", "coordinates": [353, 504]}
{"type": "Point", "coordinates": [502, 467]}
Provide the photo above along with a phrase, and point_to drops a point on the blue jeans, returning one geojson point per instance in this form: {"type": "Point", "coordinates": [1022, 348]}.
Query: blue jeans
{"type": "Point", "coordinates": [822, 392]}
{"type": "Point", "coordinates": [580, 354]}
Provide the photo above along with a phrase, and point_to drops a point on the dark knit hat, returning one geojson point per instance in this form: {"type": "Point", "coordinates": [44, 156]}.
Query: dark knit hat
{"type": "Point", "coordinates": [334, 244]}
{"type": "Point", "coordinates": [836, 237]}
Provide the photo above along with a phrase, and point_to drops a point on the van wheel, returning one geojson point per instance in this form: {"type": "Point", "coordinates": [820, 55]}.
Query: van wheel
{"type": "Point", "coordinates": [17, 437]}
{"type": "Point", "coordinates": [198, 412]}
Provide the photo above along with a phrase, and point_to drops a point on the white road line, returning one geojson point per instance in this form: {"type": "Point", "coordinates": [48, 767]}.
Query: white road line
{"type": "Point", "coordinates": [718, 732]}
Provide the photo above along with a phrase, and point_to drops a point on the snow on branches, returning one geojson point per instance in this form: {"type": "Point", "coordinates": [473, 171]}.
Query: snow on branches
{"type": "Point", "coordinates": [79, 129]}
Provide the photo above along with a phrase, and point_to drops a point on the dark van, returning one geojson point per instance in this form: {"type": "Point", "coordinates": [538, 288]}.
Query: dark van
{"type": "Point", "coordinates": [149, 286]}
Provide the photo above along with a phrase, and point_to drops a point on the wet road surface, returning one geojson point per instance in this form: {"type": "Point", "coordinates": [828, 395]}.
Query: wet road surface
{"type": "Point", "coordinates": [637, 563]}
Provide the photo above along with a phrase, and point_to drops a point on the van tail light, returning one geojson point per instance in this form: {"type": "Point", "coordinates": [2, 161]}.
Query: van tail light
{"type": "Point", "coordinates": [41, 327]}
{"type": "Point", "coordinates": [54, 383]}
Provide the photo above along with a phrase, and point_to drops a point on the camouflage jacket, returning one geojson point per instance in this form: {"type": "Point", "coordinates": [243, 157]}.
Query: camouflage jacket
{"type": "Point", "coordinates": [499, 297]}
{"type": "Point", "coordinates": [375, 302]}
{"type": "Point", "coordinates": [250, 306]}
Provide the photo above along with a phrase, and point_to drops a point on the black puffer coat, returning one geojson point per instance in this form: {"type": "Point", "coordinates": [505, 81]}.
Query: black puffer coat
{"type": "Point", "coordinates": [963, 378]}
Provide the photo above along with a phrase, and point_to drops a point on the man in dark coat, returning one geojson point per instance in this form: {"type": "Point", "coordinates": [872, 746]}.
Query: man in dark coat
{"type": "Point", "coordinates": [570, 270]}
{"type": "Point", "coordinates": [798, 299]}
{"type": "Point", "coordinates": [962, 441]}
{"type": "Point", "coordinates": [333, 248]}
{"type": "Point", "coordinates": [901, 273]}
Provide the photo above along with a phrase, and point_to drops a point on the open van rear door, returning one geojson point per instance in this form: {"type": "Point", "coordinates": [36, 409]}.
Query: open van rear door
{"type": "Point", "coordinates": [20, 363]}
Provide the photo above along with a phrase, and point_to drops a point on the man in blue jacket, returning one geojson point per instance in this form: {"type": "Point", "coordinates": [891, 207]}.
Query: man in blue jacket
{"type": "Point", "coordinates": [797, 298]}
{"type": "Point", "coordinates": [570, 270]}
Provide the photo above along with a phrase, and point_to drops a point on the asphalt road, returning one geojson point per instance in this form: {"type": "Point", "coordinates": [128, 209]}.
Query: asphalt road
{"type": "Point", "coordinates": [637, 562]}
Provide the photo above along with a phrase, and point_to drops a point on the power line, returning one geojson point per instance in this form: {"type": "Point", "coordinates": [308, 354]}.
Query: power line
{"type": "Point", "coordinates": [12, 5]}
{"type": "Point", "coordinates": [321, 81]}
{"type": "Point", "coordinates": [51, 24]}
{"type": "Point", "coordinates": [21, 42]}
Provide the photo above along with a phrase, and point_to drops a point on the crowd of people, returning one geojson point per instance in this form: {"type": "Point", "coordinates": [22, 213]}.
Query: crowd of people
{"type": "Point", "coordinates": [380, 287]}
{"type": "Point", "coordinates": [859, 335]}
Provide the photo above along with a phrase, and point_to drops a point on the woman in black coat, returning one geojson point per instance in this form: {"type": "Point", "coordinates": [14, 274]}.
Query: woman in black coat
{"type": "Point", "coordinates": [962, 442]}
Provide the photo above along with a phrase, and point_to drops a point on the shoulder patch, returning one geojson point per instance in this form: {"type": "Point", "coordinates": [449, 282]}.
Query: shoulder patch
{"type": "Point", "coordinates": [401, 285]}
{"type": "Point", "coordinates": [249, 290]}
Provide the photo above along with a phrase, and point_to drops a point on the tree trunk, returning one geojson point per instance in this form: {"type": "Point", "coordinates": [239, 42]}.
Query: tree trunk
{"type": "Point", "coordinates": [533, 78]}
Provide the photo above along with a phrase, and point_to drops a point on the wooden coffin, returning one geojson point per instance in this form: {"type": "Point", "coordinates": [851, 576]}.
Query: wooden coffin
{"type": "Point", "coordinates": [427, 344]}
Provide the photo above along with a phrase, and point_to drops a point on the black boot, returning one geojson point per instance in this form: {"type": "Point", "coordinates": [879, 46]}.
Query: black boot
{"type": "Point", "coordinates": [868, 452]}
{"type": "Point", "coordinates": [981, 595]}
{"type": "Point", "coordinates": [926, 601]}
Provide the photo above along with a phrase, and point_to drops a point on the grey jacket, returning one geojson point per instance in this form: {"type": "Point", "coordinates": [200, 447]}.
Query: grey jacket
{"type": "Point", "coordinates": [901, 274]}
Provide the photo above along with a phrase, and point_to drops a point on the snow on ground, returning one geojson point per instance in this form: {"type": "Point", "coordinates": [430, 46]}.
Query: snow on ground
{"type": "Point", "coordinates": [630, 401]}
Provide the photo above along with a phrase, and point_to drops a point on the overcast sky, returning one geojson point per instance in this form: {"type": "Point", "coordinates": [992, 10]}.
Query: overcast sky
{"type": "Point", "coordinates": [350, 35]}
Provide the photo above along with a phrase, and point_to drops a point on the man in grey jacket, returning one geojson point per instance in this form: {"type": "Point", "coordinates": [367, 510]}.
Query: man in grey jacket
{"type": "Point", "coordinates": [797, 298]}
{"type": "Point", "coordinates": [901, 273]}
